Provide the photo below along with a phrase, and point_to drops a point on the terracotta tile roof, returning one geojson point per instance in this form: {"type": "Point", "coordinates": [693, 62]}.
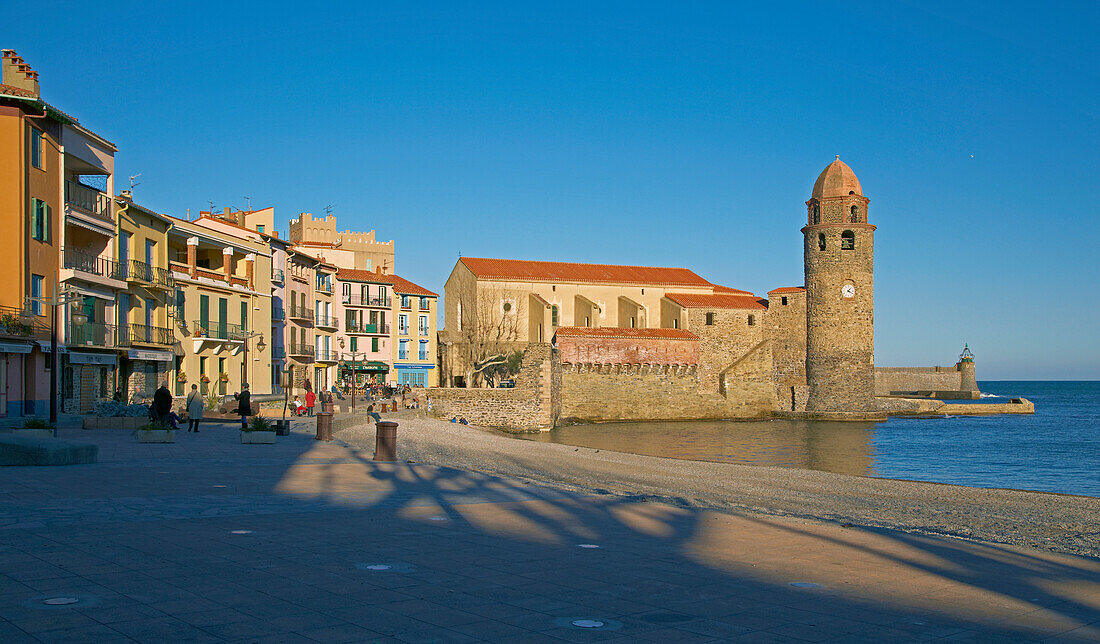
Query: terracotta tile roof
{"type": "Point", "coordinates": [615, 332]}
{"type": "Point", "coordinates": [400, 284]}
{"type": "Point", "coordinates": [570, 272]}
{"type": "Point", "coordinates": [729, 289]}
{"type": "Point", "coordinates": [12, 90]}
{"type": "Point", "coordinates": [717, 301]}
{"type": "Point", "coordinates": [788, 289]}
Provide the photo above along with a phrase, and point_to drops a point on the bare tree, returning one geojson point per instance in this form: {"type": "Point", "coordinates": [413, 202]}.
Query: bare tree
{"type": "Point", "coordinates": [487, 334]}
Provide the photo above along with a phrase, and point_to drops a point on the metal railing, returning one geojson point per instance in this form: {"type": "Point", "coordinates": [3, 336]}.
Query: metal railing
{"type": "Point", "coordinates": [92, 334]}
{"type": "Point", "coordinates": [139, 270]}
{"type": "Point", "coordinates": [13, 325]}
{"type": "Point", "coordinates": [278, 353]}
{"type": "Point", "coordinates": [357, 300]}
{"type": "Point", "coordinates": [383, 329]}
{"type": "Point", "coordinates": [219, 330]}
{"type": "Point", "coordinates": [78, 260]}
{"type": "Point", "coordinates": [327, 321]}
{"type": "Point", "coordinates": [301, 314]}
{"type": "Point", "coordinates": [277, 275]}
{"type": "Point", "coordinates": [325, 286]}
{"type": "Point", "coordinates": [302, 351]}
{"type": "Point", "coordinates": [144, 334]}
{"type": "Point", "coordinates": [277, 314]}
{"type": "Point", "coordinates": [87, 199]}
{"type": "Point", "coordinates": [328, 355]}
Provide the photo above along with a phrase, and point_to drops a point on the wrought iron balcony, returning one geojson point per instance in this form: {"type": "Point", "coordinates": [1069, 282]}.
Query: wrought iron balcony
{"type": "Point", "coordinates": [218, 330]}
{"type": "Point", "coordinates": [278, 353]}
{"type": "Point", "coordinates": [328, 355]}
{"type": "Point", "coordinates": [12, 325]}
{"type": "Point", "coordinates": [277, 314]}
{"type": "Point", "coordinates": [302, 316]}
{"type": "Point", "coordinates": [87, 199]}
{"type": "Point", "coordinates": [372, 329]}
{"type": "Point", "coordinates": [277, 275]}
{"type": "Point", "coordinates": [301, 352]}
{"type": "Point", "coordinates": [327, 322]}
{"type": "Point", "coordinates": [357, 300]}
{"type": "Point", "coordinates": [145, 334]}
{"type": "Point", "coordinates": [92, 264]}
{"type": "Point", "coordinates": [142, 272]}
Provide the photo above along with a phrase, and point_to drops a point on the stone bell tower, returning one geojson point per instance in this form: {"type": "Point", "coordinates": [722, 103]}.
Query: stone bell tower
{"type": "Point", "coordinates": [840, 332]}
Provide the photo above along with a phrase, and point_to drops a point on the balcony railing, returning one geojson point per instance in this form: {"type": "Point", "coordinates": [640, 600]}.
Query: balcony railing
{"type": "Point", "coordinates": [303, 352]}
{"type": "Point", "coordinates": [141, 271]}
{"type": "Point", "coordinates": [357, 300]}
{"type": "Point", "coordinates": [92, 264]}
{"type": "Point", "coordinates": [277, 275]}
{"type": "Point", "coordinates": [278, 353]}
{"type": "Point", "coordinates": [13, 325]}
{"type": "Point", "coordinates": [92, 334]}
{"type": "Point", "coordinates": [383, 329]}
{"type": "Point", "coordinates": [144, 334]}
{"type": "Point", "coordinates": [327, 321]}
{"type": "Point", "coordinates": [305, 315]}
{"type": "Point", "coordinates": [87, 199]}
{"type": "Point", "coordinates": [328, 355]}
{"type": "Point", "coordinates": [218, 330]}
{"type": "Point", "coordinates": [324, 286]}
{"type": "Point", "coordinates": [278, 315]}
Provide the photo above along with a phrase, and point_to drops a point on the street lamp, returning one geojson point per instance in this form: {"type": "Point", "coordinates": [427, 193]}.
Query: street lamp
{"type": "Point", "coordinates": [260, 346]}
{"type": "Point", "coordinates": [68, 295]}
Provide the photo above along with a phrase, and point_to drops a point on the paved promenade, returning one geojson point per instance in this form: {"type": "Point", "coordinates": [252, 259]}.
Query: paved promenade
{"type": "Point", "coordinates": [209, 540]}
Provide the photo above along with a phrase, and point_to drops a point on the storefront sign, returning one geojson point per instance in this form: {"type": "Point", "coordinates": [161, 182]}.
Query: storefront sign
{"type": "Point", "coordinates": [14, 347]}
{"type": "Point", "coordinates": [414, 366]}
{"type": "Point", "coordinates": [77, 357]}
{"type": "Point", "coordinates": [155, 356]}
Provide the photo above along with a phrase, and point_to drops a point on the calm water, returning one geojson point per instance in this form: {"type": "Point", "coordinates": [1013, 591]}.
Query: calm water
{"type": "Point", "coordinates": [1056, 450]}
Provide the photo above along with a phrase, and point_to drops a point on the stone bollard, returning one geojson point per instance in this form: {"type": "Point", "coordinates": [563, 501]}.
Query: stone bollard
{"type": "Point", "coordinates": [385, 441]}
{"type": "Point", "coordinates": [324, 426]}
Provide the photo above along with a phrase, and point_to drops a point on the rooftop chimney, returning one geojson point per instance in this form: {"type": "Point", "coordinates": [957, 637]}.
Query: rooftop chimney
{"type": "Point", "coordinates": [17, 73]}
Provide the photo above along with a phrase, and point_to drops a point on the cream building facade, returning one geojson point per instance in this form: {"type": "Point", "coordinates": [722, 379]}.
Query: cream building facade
{"type": "Point", "coordinates": [222, 274]}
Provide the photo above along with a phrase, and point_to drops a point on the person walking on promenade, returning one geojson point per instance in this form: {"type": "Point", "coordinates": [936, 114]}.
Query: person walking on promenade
{"type": "Point", "coordinates": [244, 404]}
{"type": "Point", "coordinates": [311, 400]}
{"type": "Point", "coordinates": [195, 404]}
{"type": "Point", "coordinates": [162, 403]}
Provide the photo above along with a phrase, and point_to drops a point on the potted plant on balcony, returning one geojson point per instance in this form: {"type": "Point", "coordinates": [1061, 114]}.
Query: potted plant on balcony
{"type": "Point", "coordinates": [258, 431]}
{"type": "Point", "coordinates": [181, 376]}
{"type": "Point", "coordinates": [223, 376]}
{"type": "Point", "coordinates": [205, 379]}
{"type": "Point", "coordinates": [154, 432]}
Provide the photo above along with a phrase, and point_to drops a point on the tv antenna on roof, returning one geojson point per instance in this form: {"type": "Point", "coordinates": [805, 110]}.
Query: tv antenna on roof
{"type": "Point", "coordinates": [248, 200]}
{"type": "Point", "coordinates": [134, 183]}
{"type": "Point", "coordinates": [328, 210]}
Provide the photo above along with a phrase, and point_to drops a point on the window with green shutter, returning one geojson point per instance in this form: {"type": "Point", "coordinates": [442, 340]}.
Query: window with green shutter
{"type": "Point", "coordinates": [40, 219]}
{"type": "Point", "coordinates": [36, 148]}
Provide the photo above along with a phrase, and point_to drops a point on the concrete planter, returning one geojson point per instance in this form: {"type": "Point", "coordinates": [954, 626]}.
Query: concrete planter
{"type": "Point", "coordinates": [258, 438]}
{"type": "Point", "coordinates": [34, 433]}
{"type": "Point", "coordinates": [123, 422]}
{"type": "Point", "coordinates": [156, 435]}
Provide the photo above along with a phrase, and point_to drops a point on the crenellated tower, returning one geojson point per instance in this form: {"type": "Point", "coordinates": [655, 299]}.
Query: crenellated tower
{"type": "Point", "coordinates": [840, 313]}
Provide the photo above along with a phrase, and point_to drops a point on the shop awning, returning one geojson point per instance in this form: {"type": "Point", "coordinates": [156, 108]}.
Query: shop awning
{"type": "Point", "coordinates": [370, 365]}
{"type": "Point", "coordinates": [14, 347]}
{"type": "Point", "coordinates": [155, 356]}
{"type": "Point", "coordinates": [79, 357]}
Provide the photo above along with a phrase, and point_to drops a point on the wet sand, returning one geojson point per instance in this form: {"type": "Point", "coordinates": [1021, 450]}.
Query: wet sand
{"type": "Point", "coordinates": [1056, 522]}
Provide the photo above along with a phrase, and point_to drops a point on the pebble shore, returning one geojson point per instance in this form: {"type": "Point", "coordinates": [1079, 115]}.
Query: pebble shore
{"type": "Point", "coordinates": [1055, 522]}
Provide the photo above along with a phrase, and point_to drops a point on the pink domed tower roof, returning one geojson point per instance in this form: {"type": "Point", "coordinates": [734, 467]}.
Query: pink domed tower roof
{"type": "Point", "coordinates": [836, 180]}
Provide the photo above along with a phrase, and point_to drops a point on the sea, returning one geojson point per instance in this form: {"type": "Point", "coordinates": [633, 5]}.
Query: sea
{"type": "Point", "coordinates": [1055, 450]}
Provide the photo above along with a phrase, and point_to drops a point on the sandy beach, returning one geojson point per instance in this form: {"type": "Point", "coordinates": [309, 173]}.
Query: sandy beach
{"type": "Point", "coordinates": [1056, 522]}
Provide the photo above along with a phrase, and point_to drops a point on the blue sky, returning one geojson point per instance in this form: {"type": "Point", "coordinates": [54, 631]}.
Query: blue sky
{"type": "Point", "coordinates": [680, 134]}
